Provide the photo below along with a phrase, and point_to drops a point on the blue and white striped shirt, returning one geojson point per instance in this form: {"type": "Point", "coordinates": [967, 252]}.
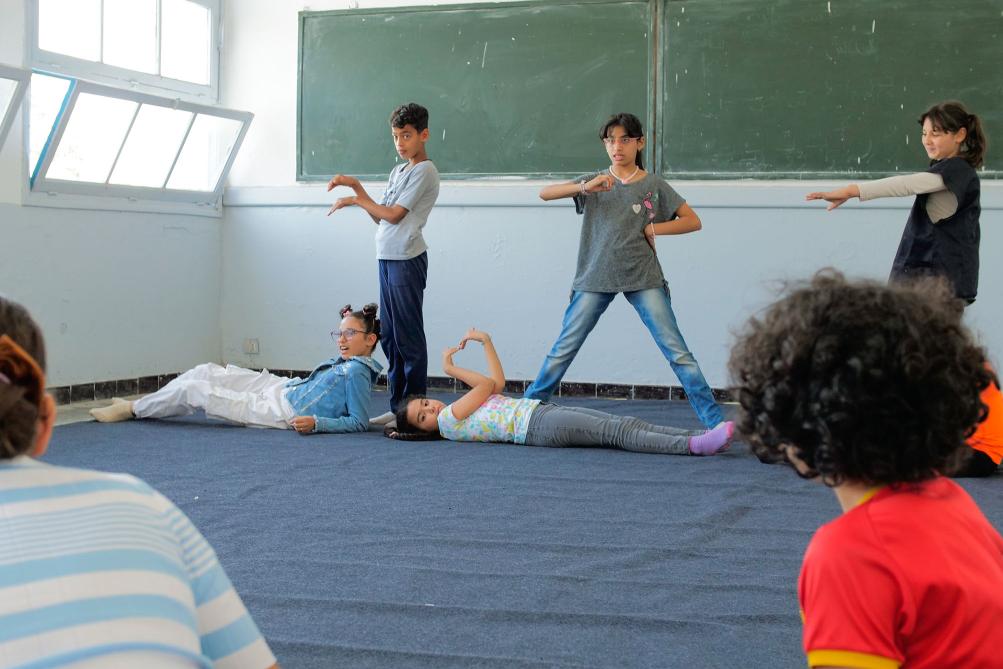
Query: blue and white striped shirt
{"type": "Point", "coordinates": [101, 570]}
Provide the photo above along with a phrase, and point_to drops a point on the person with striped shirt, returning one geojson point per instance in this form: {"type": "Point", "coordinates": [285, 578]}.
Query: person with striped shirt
{"type": "Point", "coordinates": [96, 569]}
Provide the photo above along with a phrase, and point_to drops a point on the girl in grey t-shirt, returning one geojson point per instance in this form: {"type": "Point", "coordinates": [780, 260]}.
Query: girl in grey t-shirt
{"type": "Point", "coordinates": [624, 209]}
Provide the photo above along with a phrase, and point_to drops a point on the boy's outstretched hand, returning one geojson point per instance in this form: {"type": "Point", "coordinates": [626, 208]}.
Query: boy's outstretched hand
{"type": "Point", "coordinates": [342, 202]}
{"type": "Point", "coordinates": [342, 180]}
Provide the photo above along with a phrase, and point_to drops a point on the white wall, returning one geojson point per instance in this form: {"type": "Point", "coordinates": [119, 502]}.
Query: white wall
{"type": "Point", "coordinates": [502, 260]}
{"type": "Point", "coordinates": [119, 295]}
{"type": "Point", "coordinates": [124, 294]}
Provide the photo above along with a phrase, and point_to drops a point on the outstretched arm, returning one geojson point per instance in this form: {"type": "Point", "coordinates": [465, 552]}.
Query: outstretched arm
{"type": "Point", "coordinates": [603, 182]}
{"type": "Point", "coordinates": [835, 197]}
{"type": "Point", "coordinates": [376, 211]}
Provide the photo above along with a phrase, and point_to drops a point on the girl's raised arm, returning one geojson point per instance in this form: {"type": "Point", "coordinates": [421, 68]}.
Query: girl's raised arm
{"type": "Point", "coordinates": [490, 354]}
{"type": "Point", "coordinates": [481, 387]}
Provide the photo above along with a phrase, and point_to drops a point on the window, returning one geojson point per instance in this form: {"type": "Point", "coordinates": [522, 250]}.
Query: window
{"type": "Point", "coordinates": [167, 45]}
{"type": "Point", "coordinates": [13, 83]}
{"type": "Point", "coordinates": [94, 140]}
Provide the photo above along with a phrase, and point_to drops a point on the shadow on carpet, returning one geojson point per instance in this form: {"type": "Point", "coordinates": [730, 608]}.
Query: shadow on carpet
{"type": "Point", "coordinates": [359, 551]}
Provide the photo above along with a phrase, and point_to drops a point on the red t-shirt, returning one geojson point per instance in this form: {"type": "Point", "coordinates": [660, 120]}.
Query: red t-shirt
{"type": "Point", "coordinates": [913, 577]}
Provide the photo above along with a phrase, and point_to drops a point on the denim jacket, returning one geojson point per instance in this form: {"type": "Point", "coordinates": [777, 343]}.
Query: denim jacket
{"type": "Point", "coordinates": [336, 394]}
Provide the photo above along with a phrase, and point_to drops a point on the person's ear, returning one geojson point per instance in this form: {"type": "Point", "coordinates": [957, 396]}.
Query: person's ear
{"type": "Point", "coordinates": [961, 136]}
{"type": "Point", "coordinates": [423, 135]}
{"type": "Point", "coordinates": [46, 421]}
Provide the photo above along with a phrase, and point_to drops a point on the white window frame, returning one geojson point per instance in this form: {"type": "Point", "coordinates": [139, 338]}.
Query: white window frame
{"type": "Point", "coordinates": [59, 63]}
{"type": "Point", "coordinates": [150, 199]}
{"type": "Point", "coordinates": [22, 77]}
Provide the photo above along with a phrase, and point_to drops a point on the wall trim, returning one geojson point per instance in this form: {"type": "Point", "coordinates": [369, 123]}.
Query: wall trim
{"type": "Point", "coordinates": [103, 390]}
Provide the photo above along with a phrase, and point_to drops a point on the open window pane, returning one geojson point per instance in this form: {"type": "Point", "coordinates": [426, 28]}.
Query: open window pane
{"type": "Point", "coordinates": [13, 84]}
{"type": "Point", "coordinates": [92, 139]}
{"type": "Point", "coordinates": [185, 40]}
{"type": "Point", "coordinates": [47, 95]}
{"type": "Point", "coordinates": [7, 89]}
{"type": "Point", "coordinates": [130, 34]}
{"type": "Point", "coordinates": [205, 153]}
{"type": "Point", "coordinates": [70, 27]}
{"type": "Point", "coordinates": [151, 147]}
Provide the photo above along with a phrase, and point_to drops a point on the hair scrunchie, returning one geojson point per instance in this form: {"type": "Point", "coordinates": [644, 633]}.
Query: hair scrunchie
{"type": "Point", "coordinates": [18, 368]}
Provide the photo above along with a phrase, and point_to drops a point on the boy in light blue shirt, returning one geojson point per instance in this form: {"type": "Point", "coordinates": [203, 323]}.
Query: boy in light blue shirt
{"type": "Point", "coordinates": [401, 252]}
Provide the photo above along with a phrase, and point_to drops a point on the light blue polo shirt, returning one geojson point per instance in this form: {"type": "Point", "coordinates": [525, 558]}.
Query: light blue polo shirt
{"type": "Point", "coordinates": [415, 188]}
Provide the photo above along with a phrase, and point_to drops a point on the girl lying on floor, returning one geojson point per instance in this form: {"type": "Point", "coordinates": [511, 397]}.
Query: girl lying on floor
{"type": "Point", "coordinates": [483, 414]}
{"type": "Point", "coordinates": [334, 398]}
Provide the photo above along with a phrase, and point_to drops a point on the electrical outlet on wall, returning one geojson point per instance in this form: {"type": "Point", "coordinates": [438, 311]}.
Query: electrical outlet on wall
{"type": "Point", "coordinates": [251, 346]}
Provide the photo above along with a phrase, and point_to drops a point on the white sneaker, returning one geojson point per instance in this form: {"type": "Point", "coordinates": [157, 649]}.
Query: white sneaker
{"type": "Point", "coordinates": [383, 419]}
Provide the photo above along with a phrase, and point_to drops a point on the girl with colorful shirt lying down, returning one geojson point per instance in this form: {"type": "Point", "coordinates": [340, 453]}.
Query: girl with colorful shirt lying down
{"type": "Point", "coordinates": [483, 414]}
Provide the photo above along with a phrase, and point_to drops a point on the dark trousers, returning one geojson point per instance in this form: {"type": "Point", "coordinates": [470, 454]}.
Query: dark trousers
{"type": "Point", "coordinates": [402, 292]}
{"type": "Point", "coordinates": [977, 465]}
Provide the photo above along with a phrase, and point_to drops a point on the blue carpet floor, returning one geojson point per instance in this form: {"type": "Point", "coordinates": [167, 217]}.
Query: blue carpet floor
{"type": "Point", "coordinates": [358, 551]}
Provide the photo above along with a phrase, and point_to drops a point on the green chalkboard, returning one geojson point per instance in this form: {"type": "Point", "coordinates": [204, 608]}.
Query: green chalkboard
{"type": "Point", "coordinates": [511, 88]}
{"type": "Point", "coordinates": [806, 88]}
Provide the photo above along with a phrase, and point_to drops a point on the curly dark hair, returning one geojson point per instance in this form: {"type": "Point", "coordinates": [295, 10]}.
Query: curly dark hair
{"type": "Point", "coordinates": [412, 113]}
{"type": "Point", "coordinates": [868, 383]}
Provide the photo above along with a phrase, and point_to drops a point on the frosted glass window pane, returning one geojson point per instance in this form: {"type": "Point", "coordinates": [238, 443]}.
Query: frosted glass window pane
{"type": "Point", "coordinates": [7, 88]}
{"type": "Point", "coordinates": [205, 153]}
{"type": "Point", "coordinates": [71, 27]}
{"type": "Point", "coordinates": [130, 34]}
{"type": "Point", "coordinates": [92, 139]}
{"type": "Point", "coordinates": [46, 95]}
{"type": "Point", "coordinates": [151, 146]}
{"type": "Point", "coordinates": [184, 41]}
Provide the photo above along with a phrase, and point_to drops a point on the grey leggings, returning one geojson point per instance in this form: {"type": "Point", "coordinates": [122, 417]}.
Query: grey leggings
{"type": "Point", "coordinates": [553, 425]}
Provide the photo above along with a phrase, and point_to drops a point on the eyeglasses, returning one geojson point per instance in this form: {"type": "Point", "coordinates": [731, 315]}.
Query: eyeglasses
{"type": "Point", "coordinates": [626, 141]}
{"type": "Point", "coordinates": [348, 332]}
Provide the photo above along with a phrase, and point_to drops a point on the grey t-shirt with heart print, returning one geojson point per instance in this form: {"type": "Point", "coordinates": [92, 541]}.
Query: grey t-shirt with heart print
{"type": "Point", "coordinates": [613, 255]}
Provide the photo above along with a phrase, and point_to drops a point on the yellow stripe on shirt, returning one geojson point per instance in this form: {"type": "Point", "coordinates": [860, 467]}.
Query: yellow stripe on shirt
{"type": "Point", "coordinates": [848, 658]}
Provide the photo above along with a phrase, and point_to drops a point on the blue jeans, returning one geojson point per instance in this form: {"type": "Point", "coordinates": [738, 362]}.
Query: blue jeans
{"type": "Point", "coordinates": [654, 306]}
{"type": "Point", "coordinates": [402, 293]}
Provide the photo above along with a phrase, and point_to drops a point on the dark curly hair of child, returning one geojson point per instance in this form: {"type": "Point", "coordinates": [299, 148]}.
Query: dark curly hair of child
{"type": "Point", "coordinates": [865, 382]}
{"type": "Point", "coordinates": [412, 113]}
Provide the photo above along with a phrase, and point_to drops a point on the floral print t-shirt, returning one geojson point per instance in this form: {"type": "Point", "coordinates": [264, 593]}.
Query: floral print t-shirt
{"type": "Point", "coordinates": [500, 419]}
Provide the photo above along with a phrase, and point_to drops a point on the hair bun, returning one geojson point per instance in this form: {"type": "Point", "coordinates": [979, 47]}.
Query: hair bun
{"type": "Point", "coordinates": [346, 310]}
{"type": "Point", "coordinates": [370, 309]}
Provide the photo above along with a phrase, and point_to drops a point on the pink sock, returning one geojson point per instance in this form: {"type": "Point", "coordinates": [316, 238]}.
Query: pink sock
{"type": "Point", "coordinates": [713, 441]}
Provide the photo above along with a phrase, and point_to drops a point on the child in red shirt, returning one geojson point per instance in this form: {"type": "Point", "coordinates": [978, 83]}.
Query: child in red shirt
{"type": "Point", "coordinates": [873, 390]}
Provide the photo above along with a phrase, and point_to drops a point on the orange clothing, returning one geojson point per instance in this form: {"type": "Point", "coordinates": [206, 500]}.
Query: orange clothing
{"type": "Point", "coordinates": [988, 436]}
